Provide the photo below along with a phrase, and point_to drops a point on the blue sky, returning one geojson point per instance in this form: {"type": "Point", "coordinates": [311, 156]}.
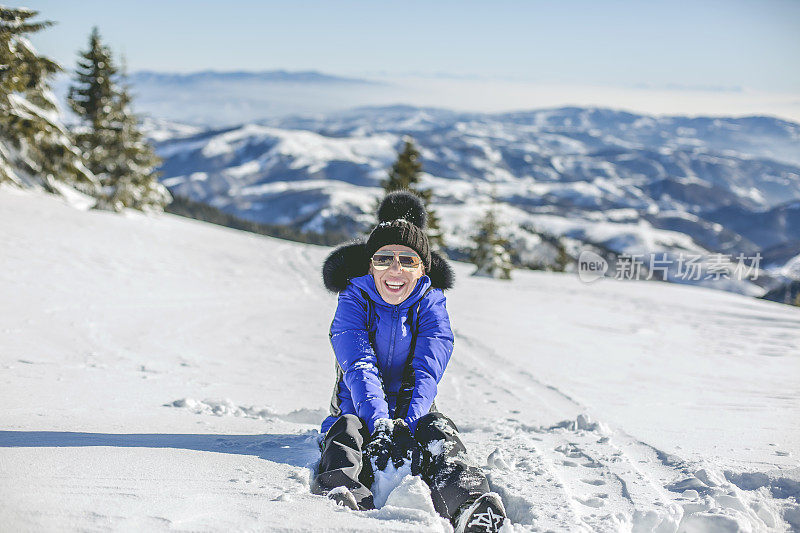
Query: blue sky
{"type": "Point", "coordinates": [685, 44]}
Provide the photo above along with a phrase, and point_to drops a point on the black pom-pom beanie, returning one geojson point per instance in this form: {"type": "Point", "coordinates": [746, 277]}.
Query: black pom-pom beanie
{"type": "Point", "coordinates": [401, 220]}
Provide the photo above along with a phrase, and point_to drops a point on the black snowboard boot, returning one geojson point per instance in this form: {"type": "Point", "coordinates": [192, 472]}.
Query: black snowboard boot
{"type": "Point", "coordinates": [484, 515]}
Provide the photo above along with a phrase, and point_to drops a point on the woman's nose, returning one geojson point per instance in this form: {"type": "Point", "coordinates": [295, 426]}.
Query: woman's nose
{"type": "Point", "coordinates": [395, 264]}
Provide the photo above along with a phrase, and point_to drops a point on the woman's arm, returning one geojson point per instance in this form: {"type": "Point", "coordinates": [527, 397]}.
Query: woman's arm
{"type": "Point", "coordinates": [432, 353]}
{"type": "Point", "coordinates": [350, 341]}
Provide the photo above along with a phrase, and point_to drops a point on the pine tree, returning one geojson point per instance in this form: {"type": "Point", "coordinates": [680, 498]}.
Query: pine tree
{"type": "Point", "coordinates": [114, 147]}
{"type": "Point", "coordinates": [92, 98]}
{"type": "Point", "coordinates": [405, 171]}
{"type": "Point", "coordinates": [404, 175]}
{"type": "Point", "coordinates": [34, 146]}
{"type": "Point", "coordinates": [132, 161]}
{"type": "Point", "coordinates": [490, 254]}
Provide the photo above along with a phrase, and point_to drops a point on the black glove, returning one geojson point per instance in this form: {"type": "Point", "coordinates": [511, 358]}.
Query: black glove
{"type": "Point", "coordinates": [392, 440]}
{"type": "Point", "coordinates": [379, 449]}
{"type": "Point", "coordinates": [404, 447]}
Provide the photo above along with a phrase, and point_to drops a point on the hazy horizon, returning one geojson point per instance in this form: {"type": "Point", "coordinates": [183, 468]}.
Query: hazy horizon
{"type": "Point", "coordinates": [274, 99]}
{"type": "Point", "coordinates": [715, 58]}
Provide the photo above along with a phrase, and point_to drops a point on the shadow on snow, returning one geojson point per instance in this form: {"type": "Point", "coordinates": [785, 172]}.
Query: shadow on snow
{"type": "Point", "coordinates": [295, 450]}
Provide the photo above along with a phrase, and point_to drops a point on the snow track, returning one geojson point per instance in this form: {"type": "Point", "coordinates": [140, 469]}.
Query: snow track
{"type": "Point", "coordinates": [581, 475]}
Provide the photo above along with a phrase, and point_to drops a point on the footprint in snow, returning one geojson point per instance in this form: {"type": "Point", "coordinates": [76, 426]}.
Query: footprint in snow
{"type": "Point", "coordinates": [591, 502]}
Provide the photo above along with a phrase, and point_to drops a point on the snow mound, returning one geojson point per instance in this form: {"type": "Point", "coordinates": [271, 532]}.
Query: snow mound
{"type": "Point", "coordinates": [412, 492]}
{"type": "Point", "coordinates": [224, 407]}
{"type": "Point", "coordinates": [496, 460]}
{"type": "Point", "coordinates": [387, 480]}
{"type": "Point", "coordinates": [584, 423]}
{"type": "Point", "coordinates": [227, 407]}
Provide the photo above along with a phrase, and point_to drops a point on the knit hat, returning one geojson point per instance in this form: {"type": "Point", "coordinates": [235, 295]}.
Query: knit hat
{"type": "Point", "coordinates": [401, 220]}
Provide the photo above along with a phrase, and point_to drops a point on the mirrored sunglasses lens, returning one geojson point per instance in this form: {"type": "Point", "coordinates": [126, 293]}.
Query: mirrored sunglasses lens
{"type": "Point", "coordinates": [382, 260]}
{"type": "Point", "coordinates": [409, 261]}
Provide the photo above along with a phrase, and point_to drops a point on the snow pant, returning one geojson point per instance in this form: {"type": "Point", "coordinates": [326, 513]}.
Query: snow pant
{"type": "Point", "coordinates": [342, 464]}
{"type": "Point", "coordinates": [444, 467]}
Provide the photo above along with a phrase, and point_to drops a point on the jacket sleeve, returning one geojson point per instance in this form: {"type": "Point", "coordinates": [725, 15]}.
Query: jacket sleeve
{"type": "Point", "coordinates": [356, 357]}
{"type": "Point", "coordinates": [432, 353]}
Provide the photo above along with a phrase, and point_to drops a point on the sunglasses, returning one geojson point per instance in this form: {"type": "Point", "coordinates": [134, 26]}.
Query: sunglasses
{"type": "Point", "coordinates": [408, 260]}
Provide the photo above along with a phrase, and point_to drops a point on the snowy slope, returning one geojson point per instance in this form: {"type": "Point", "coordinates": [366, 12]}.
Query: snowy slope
{"type": "Point", "coordinates": [160, 373]}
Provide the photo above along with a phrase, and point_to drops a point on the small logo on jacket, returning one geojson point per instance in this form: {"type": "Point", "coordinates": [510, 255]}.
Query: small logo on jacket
{"type": "Point", "coordinates": [591, 266]}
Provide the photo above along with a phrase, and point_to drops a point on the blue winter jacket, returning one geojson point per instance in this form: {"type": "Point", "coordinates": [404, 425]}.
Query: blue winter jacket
{"type": "Point", "coordinates": [368, 382]}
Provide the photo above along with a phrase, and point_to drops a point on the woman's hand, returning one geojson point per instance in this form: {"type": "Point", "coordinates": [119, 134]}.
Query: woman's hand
{"type": "Point", "coordinates": [391, 440]}
{"type": "Point", "coordinates": [379, 448]}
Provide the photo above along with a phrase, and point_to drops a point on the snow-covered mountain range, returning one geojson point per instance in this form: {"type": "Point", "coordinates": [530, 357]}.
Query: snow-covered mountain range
{"type": "Point", "coordinates": [619, 182]}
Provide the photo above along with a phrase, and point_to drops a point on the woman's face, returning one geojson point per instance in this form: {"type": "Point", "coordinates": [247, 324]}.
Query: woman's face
{"type": "Point", "coordinates": [395, 284]}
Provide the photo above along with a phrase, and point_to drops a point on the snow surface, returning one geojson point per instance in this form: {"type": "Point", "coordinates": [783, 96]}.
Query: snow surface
{"type": "Point", "coordinates": [160, 373]}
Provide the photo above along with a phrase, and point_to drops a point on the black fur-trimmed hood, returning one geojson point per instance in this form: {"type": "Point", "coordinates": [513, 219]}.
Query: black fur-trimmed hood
{"type": "Point", "coordinates": [349, 261]}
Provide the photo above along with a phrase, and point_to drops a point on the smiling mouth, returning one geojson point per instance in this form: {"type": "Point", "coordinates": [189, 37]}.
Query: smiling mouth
{"type": "Point", "coordinates": [394, 287]}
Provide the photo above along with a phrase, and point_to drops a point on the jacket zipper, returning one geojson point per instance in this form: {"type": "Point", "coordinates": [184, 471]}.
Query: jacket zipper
{"type": "Point", "coordinates": [395, 316]}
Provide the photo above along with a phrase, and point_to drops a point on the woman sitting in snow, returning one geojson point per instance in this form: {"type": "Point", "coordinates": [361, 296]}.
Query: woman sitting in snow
{"type": "Point", "coordinates": [392, 339]}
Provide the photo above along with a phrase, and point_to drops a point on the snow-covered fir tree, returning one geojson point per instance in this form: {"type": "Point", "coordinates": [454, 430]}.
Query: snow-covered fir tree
{"type": "Point", "coordinates": [490, 252]}
{"type": "Point", "coordinates": [404, 174]}
{"type": "Point", "coordinates": [134, 177]}
{"type": "Point", "coordinates": [92, 99]}
{"type": "Point", "coordinates": [114, 147]}
{"type": "Point", "coordinates": [35, 148]}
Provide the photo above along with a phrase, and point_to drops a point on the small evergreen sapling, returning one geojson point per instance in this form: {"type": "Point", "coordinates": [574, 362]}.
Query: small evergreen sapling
{"type": "Point", "coordinates": [490, 252]}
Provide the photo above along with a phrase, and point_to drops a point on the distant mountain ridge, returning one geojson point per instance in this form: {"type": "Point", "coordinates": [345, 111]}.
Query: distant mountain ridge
{"type": "Point", "coordinates": [310, 76]}
{"type": "Point", "coordinates": [622, 182]}
{"type": "Point", "coordinates": [212, 98]}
